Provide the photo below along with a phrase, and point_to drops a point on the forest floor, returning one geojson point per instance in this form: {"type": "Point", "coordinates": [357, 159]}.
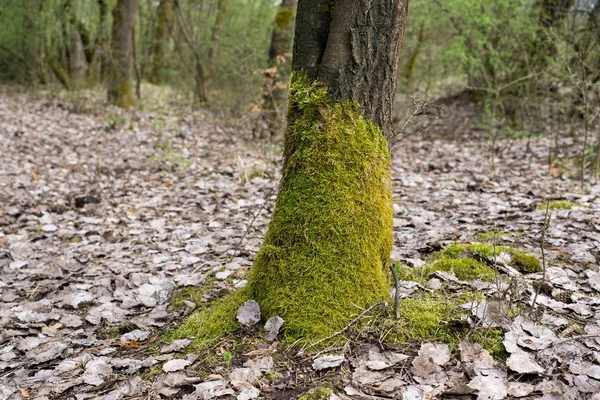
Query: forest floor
{"type": "Point", "coordinates": [105, 215]}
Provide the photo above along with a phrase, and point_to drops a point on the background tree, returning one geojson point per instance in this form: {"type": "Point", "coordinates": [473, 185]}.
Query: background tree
{"type": "Point", "coordinates": [120, 92]}
{"type": "Point", "coordinates": [277, 74]}
{"type": "Point", "coordinates": [161, 40]}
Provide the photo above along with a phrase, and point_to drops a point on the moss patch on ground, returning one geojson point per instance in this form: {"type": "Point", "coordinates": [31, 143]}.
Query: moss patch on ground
{"type": "Point", "coordinates": [213, 322]}
{"type": "Point", "coordinates": [195, 294]}
{"type": "Point", "coordinates": [470, 261]}
{"type": "Point", "coordinates": [439, 315]}
{"type": "Point", "coordinates": [520, 260]}
{"type": "Point", "coordinates": [559, 205]}
{"type": "Point", "coordinates": [317, 394]}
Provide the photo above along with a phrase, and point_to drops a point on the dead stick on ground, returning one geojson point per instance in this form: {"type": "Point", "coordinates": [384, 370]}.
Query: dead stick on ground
{"type": "Point", "coordinates": [262, 207]}
{"type": "Point", "coordinates": [397, 293]}
{"type": "Point", "coordinates": [345, 328]}
{"type": "Point", "coordinates": [542, 240]}
{"type": "Point", "coordinates": [561, 341]}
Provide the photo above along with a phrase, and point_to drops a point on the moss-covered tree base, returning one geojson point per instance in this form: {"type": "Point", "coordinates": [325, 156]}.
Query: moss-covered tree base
{"type": "Point", "coordinates": [326, 252]}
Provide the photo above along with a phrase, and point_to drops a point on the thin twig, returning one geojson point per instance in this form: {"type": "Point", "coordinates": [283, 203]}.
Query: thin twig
{"type": "Point", "coordinates": [262, 207]}
{"type": "Point", "coordinates": [397, 293]}
{"type": "Point", "coordinates": [561, 341]}
{"type": "Point", "coordinates": [345, 328]}
{"type": "Point", "coordinates": [547, 217]}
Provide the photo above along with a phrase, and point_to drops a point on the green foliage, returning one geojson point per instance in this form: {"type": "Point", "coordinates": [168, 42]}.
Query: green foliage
{"type": "Point", "coordinates": [227, 357]}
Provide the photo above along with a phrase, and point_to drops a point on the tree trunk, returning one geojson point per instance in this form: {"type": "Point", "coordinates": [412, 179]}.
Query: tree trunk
{"type": "Point", "coordinates": [119, 90]}
{"type": "Point", "coordinates": [216, 35]}
{"type": "Point", "coordinates": [327, 250]}
{"type": "Point", "coordinates": [277, 75]}
{"type": "Point", "coordinates": [102, 43]}
{"type": "Point", "coordinates": [161, 40]}
{"type": "Point", "coordinates": [77, 60]}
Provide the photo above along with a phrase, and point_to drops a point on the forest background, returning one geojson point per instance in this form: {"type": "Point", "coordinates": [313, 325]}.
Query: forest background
{"type": "Point", "coordinates": [528, 65]}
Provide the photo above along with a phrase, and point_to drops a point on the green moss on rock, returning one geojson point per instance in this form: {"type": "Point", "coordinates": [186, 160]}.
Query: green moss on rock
{"type": "Point", "coordinates": [465, 269]}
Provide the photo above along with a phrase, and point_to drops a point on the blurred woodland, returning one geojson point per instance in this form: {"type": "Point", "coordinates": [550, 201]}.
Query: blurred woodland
{"type": "Point", "coordinates": [522, 59]}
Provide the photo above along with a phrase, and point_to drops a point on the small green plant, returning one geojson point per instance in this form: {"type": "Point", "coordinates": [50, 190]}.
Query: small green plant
{"type": "Point", "coordinates": [115, 121]}
{"type": "Point", "coordinates": [227, 357]}
{"type": "Point", "coordinates": [169, 154]}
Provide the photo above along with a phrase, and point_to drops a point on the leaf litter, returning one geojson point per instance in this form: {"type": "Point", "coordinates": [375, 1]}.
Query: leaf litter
{"type": "Point", "coordinates": [97, 234]}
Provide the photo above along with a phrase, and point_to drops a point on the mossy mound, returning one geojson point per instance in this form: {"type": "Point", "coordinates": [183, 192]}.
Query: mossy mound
{"type": "Point", "coordinates": [439, 316]}
{"type": "Point", "coordinates": [317, 394]}
{"type": "Point", "coordinates": [521, 261]}
{"type": "Point", "coordinates": [471, 261]}
{"type": "Point", "coordinates": [326, 253]}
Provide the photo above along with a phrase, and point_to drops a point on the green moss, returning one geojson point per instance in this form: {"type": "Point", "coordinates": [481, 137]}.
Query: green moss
{"type": "Point", "coordinates": [284, 17]}
{"type": "Point", "coordinates": [439, 317]}
{"type": "Point", "coordinates": [559, 205]}
{"type": "Point", "coordinates": [121, 94]}
{"type": "Point", "coordinates": [152, 372]}
{"type": "Point", "coordinates": [465, 269]}
{"type": "Point", "coordinates": [195, 294]}
{"type": "Point", "coordinates": [211, 323]}
{"type": "Point", "coordinates": [521, 261]}
{"type": "Point", "coordinates": [317, 394]}
{"type": "Point", "coordinates": [491, 340]}
{"type": "Point", "coordinates": [525, 263]}
{"type": "Point", "coordinates": [326, 252]}
{"type": "Point", "coordinates": [430, 317]}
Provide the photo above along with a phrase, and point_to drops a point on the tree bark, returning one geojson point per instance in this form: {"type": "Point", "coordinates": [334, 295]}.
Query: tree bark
{"type": "Point", "coordinates": [216, 34]}
{"type": "Point", "coordinates": [119, 90]}
{"type": "Point", "coordinates": [277, 75]}
{"type": "Point", "coordinates": [161, 40]}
